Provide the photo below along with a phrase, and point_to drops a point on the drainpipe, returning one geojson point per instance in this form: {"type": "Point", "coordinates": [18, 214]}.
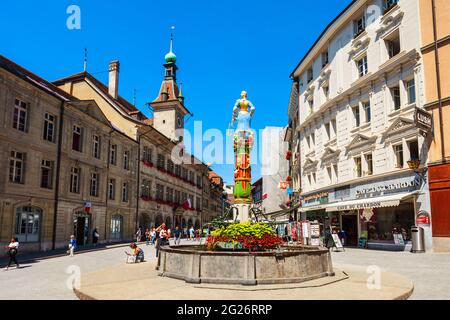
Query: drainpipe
{"type": "Point", "coordinates": [58, 173]}
{"type": "Point", "coordinates": [107, 182]}
{"type": "Point", "coordinates": [438, 79]}
{"type": "Point", "coordinates": [138, 182]}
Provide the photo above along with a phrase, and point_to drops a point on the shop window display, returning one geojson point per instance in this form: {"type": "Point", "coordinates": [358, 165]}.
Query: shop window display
{"type": "Point", "coordinates": [386, 222]}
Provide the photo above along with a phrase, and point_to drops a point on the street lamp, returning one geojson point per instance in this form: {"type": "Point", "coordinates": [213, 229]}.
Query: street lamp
{"type": "Point", "coordinates": [414, 164]}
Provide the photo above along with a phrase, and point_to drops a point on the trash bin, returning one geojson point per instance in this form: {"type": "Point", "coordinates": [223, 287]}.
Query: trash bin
{"type": "Point", "coordinates": [417, 239]}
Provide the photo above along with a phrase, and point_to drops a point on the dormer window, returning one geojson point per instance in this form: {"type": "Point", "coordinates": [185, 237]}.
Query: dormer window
{"type": "Point", "coordinates": [359, 25]}
{"type": "Point", "coordinates": [310, 75]}
{"type": "Point", "coordinates": [325, 58]}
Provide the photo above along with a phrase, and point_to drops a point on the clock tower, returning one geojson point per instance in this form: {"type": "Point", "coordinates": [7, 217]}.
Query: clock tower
{"type": "Point", "coordinates": [168, 108]}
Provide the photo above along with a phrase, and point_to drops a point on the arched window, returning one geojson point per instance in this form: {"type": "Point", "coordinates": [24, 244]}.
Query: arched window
{"type": "Point", "coordinates": [28, 224]}
{"type": "Point", "coordinates": [116, 227]}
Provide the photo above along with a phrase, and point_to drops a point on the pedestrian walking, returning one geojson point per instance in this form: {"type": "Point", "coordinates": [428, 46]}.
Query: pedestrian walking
{"type": "Point", "coordinates": [163, 237]}
{"type": "Point", "coordinates": [138, 235]}
{"type": "Point", "coordinates": [95, 236]}
{"type": "Point", "coordinates": [153, 235]}
{"type": "Point", "coordinates": [147, 236]}
{"type": "Point", "coordinates": [72, 245]}
{"type": "Point", "coordinates": [177, 235]}
{"type": "Point", "coordinates": [191, 233]}
{"type": "Point", "coordinates": [13, 250]}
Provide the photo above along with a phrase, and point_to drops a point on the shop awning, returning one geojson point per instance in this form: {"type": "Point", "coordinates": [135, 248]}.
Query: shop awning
{"type": "Point", "coordinates": [313, 208]}
{"type": "Point", "coordinates": [376, 202]}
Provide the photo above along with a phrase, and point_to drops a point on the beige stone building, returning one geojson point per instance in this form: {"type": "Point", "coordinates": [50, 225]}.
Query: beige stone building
{"type": "Point", "coordinates": [173, 185]}
{"type": "Point", "coordinates": [75, 157]}
{"type": "Point", "coordinates": [55, 152]}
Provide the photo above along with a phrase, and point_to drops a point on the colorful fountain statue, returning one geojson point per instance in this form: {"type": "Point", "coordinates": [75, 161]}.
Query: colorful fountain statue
{"type": "Point", "coordinates": [243, 143]}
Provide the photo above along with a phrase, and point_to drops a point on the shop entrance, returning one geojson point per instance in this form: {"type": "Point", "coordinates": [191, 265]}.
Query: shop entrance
{"type": "Point", "coordinates": [81, 228]}
{"type": "Point", "coordinates": [350, 226]}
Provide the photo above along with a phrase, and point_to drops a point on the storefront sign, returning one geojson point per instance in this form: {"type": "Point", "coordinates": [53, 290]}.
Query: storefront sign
{"type": "Point", "coordinates": [398, 186]}
{"type": "Point", "coordinates": [320, 197]}
{"type": "Point", "coordinates": [423, 218]}
{"type": "Point", "coordinates": [359, 206]}
{"type": "Point", "coordinates": [423, 119]}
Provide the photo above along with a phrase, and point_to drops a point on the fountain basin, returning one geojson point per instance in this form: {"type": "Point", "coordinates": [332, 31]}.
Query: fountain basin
{"type": "Point", "coordinates": [194, 264]}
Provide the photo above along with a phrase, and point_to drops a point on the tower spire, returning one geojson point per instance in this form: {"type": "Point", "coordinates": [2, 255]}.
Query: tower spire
{"type": "Point", "coordinates": [85, 60]}
{"type": "Point", "coordinates": [171, 57]}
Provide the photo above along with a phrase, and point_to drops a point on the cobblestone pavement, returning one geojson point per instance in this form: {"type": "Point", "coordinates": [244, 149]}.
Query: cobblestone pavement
{"type": "Point", "coordinates": [430, 272]}
{"type": "Point", "coordinates": [47, 278]}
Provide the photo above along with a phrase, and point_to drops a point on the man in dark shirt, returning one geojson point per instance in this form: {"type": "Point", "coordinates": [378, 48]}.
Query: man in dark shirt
{"type": "Point", "coordinates": [177, 235]}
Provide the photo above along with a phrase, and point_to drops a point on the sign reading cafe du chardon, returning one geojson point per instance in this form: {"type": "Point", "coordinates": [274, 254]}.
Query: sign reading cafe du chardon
{"type": "Point", "coordinates": [398, 186]}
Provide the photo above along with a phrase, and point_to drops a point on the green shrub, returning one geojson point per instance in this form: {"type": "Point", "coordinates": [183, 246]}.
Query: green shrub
{"type": "Point", "coordinates": [239, 230]}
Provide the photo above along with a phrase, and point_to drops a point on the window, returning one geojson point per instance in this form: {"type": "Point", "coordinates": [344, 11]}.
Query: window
{"type": "Point", "coordinates": [146, 189]}
{"type": "Point", "coordinates": [389, 4]}
{"type": "Point", "coordinates": [76, 138]}
{"type": "Point", "coordinates": [336, 173]}
{"type": "Point", "coordinates": [330, 174]}
{"type": "Point", "coordinates": [169, 194]}
{"type": "Point", "coordinates": [393, 45]}
{"type": "Point", "coordinates": [96, 146]}
{"type": "Point", "coordinates": [112, 189]}
{"type": "Point", "coordinates": [359, 25]}
{"type": "Point", "coordinates": [20, 115]}
{"type": "Point", "coordinates": [46, 174]}
{"type": "Point", "coordinates": [395, 92]}
{"type": "Point", "coordinates": [177, 195]}
{"type": "Point", "coordinates": [413, 150]}
{"type": "Point", "coordinates": [178, 170]}
{"type": "Point", "coordinates": [170, 166]}
{"type": "Point", "coordinates": [16, 167]}
{"type": "Point", "coordinates": [49, 127]}
{"type": "Point", "coordinates": [125, 192]}
{"type": "Point", "coordinates": [159, 192]}
{"type": "Point", "coordinates": [126, 160]}
{"type": "Point", "coordinates": [398, 152]}
{"type": "Point", "coordinates": [199, 180]}
{"type": "Point", "coordinates": [113, 154]}
{"type": "Point", "coordinates": [116, 227]}
{"type": "Point", "coordinates": [334, 127]}
{"type": "Point", "coordinates": [161, 162]}
{"type": "Point", "coordinates": [327, 130]}
{"type": "Point", "coordinates": [362, 67]}
{"type": "Point", "coordinates": [197, 203]}
{"type": "Point", "coordinates": [74, 180]}
{"type": "Point", "coordinates": [28, 222]}
{"type": "Point", "coordinates": [411, 90]}
{"type": "Point", "coordinates": [369, 163]}
{"type": "Point", "coordinates": [311, 105]}
{"type": "Point", "coordinates": [367, 111]}
{"type": "Point", "coordinates": [147, 154]}
{"type": "Point", "coordinates": [356, 116]}
{"type": "Point", "coordinates": [310, 75]}
{"type": "Point", "coordinates": [358, 167]}
{"type": "Point", "coordinates": [325, 59]}
{"type": "Point", "coordinates": [93, 188]}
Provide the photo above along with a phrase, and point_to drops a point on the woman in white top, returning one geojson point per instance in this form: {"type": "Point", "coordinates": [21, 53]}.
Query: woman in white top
{"type": "Point", "coordinates": [13, 248]}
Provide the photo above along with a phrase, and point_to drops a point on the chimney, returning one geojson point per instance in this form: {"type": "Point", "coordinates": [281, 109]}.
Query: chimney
{"type": "Point", "coordinates": [113, 84]}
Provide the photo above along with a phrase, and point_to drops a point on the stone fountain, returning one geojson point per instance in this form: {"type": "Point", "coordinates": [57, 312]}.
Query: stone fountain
{"type": "Point", "coordinates": [288, 264]}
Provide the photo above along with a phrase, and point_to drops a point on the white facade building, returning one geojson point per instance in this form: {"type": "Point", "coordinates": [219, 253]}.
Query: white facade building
{"type": "Point", "coordinates": [275, 169]}
{"type": "Point", "coordinates": [359, 87]}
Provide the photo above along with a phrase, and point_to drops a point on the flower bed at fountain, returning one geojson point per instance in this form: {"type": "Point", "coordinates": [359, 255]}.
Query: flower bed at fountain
{"type": "Point", "coordinates": [246, 236]}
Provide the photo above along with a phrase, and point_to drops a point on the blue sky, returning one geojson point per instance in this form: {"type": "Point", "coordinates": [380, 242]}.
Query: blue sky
{"type": "Point", "coordinates": [223, 47]}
